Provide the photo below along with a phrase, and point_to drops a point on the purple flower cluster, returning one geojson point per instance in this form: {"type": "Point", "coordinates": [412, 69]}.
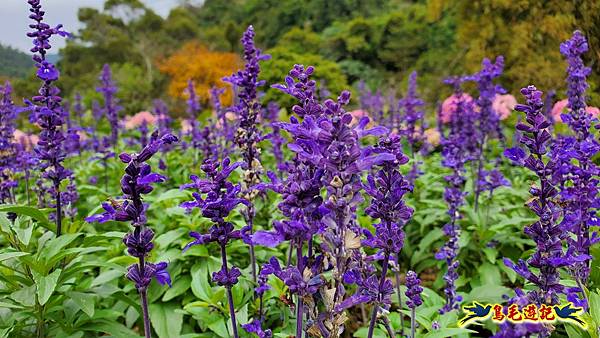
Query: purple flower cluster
{"type": "Point", "coordinates": [488, 122]}
{"type": "Point", "coordinates": [225, 133]}
{"type": "Point", "coordinates": [161, 111]}
{"type": "Point", "coordinates": [372, 102]}
{"type": "Point", "coordinates": [414, 119]}
{"type": "Point", "coordinates": [111, 107]}
{"type": "Point", "coordinates": [46, 107]}
{"type": "Point", "coordinates": [325, 144]}
{"type": "Point", "coordinates": [576, 118]}
{"type": "Point", "coordinates": [413, 290]}
{"type": "Point", "coordinates": [387, 188]}
{"type": "Point", "coordinates": [216, 197]}
{"type": "Point", "coordinates": [248, 134]}
{"type": "Point", "coordinates": [8, 148]}
{"type": "Point", "coordinates": [137, 181]}
{"type": "Point", "coordinates": [458, 147]}
{"type": "Point", "coordinates": [413, 293]}
{"type": "Point", "coordinates": [547, 233]}
{"type": "Point", "coordinates": [248, 108]}
{"type": "Point", "coordinates": [277, 140]}
{"type": "Point", "coordinates": [193, 109]}
{"type": "Point", "coordinates": [576, 173]}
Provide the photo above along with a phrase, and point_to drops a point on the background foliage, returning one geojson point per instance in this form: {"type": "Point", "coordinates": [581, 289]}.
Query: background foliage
{"type": "Point", "coordinates": [380, 41]}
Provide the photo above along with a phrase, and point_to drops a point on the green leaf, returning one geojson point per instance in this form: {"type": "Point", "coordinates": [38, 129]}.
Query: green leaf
{"type": "Point", "coordinates": [165, 239]}
{"type": "Point", "coordinates": [54, 246]}
{"type": "Point", "coordinates": [46, 285]}
{"type": "Point", "coordinates": [490, 254]}
{"type": "Point", "coordinates": [595, 306]}
{"type": "Point", "coordinates": [172, 194]}
{"type": "Point", "coordinates": [9, 306]}
{"type": "Point", "coordinates": [131, 316]}
{"type": "Point", "coordinates": [487, 294]}
{"type": "Point", "coordinates": [363, 332]}
{"type": "Point", "coordinates": [448, 332]}
{"type": "Point", "coordinates": [24, 234]}
{"type": "Point", "coordinates": [106, 276]}
{"type": "Point", "coordinates": [84, 301]}
{"type": "Point", "coordinates": [575, 332]}
{"type": "Point", "coordinates": [489, 274]}
{"type": "Point", "coordinates": [165, 320]}
{"type": "Point", "coordinates": [9, 255]}
{"type": "Point", "coordinates": [200, 286]}
{"type": "Point", "coordinates": [431, 237]}
{"type": "Point", "coordinates": [181, 285]}
{"type": "Point", "coordinates": [219, 327]}
{"type": "Point", "coordinates": [25, 296]}
{"type": "Point", "coordinates": [32, 212]}
{"type": "Point", "coordinates": [113, 328]}
{"type": "Point", "coordinates": [5, 223]}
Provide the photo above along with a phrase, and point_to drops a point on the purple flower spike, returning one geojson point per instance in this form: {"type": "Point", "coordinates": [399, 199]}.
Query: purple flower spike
{"type": "Point", "coordinates": [9, 151]}
{"type": "Point", "coordinates": [247, 136]}
{"type": "Point", "coordinates": [255, 327]}
{"type": "Point", "coordinates": [546, 232]}
{"type": "Point", "coordinates": [111, 107]}
{"type": "Point", "coordinates": [46, 109]}
{"type": "Point", "coordinates": [413, 290]}
{"type": "Point", "coordinates": [458, 147]}
{"type": "Point", "coordinates": [575, 174]}
{"type": "Point", "coordinates": [138, 180]}
{"type": "Point", "coordinates": [216, 198]}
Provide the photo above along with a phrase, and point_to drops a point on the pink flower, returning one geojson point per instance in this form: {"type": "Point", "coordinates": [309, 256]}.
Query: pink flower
{"type": "Point", "coordinates": [450, 104]}
{"type": "Point", "coordinates": [594, 111]}
{"type": "Point", "coordinates": [231, 116]}
{"type": "Point", "coordinates": [186, 126]}
{"type": "Point", "coordinates": [560, 107]}
{"type": "Point", "coordinates": [504, 105]}
{"type": "Point", "coordinates": [139, 118]}
{"type": "Point", "coordinates": [82, 135]}
{"type": "Point", "coordinates": [26, 140]}
{"type": "Point", "coordinates": [557, 109]}
{"type": "Point", "coordinates": [433, 136]}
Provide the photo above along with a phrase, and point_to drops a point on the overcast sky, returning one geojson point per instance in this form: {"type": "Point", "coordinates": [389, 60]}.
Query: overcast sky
{"type": "Point", "coordinates": [14, 21]}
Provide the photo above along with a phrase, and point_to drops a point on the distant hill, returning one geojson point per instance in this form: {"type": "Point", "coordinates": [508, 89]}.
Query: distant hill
{"type": "Point", "coordinates": [14, 63]}
{"type": "Point", "coordinates": [53, 58]}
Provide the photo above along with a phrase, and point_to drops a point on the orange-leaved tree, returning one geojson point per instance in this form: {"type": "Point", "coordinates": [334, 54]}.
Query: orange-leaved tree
{"type": "Point", "coordinates": [205, 67]}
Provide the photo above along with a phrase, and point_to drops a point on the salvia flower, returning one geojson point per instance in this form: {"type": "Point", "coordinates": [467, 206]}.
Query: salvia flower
{"type": "Point", "coordinates": [413, 290]}
{"type": "Point", "coordinates": [8, 149]}
{"type": "Point", "coordinates": [216, 198]}
{"type": "Point", "coordinates": [277, 140]}
{"type": "Point", "coordinates": [546, 232]}
{"type": "Point", "coordinates": [488, 119]}
{"type": "Point", "coordinates": [193, 109]}
{"type": "Point", "coordinates": [255, 327]}
{"type": "Point", "coordinates": [137, 181]}
{"type": "Point", "coordinates": [326, 140]}
{"type": "Point", "coordinates": [458, 147]}
{"type": "Point", "coordinates": [577, 118]}
{"type": "Point", "coordinates": [111, 107]}
{"type": "Point", "coordinates": [387, 188]}
{"type": "Point", "coordinates": [225, 132]}
{"type": "Point", "coordinates": [413, 293]}
{"type": "Point", "coordinates": [46, 109]}
{"type": "Point", "coordinates": [248, 134]}
{"type": "Point", "coordinates": [299, 85]}
{"type": "Point", "coordinates": [576, 172]}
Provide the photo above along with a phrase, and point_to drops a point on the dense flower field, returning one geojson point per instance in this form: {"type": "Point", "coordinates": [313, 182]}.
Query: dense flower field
{"type": "Point", "coordinates": [335, 217]}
